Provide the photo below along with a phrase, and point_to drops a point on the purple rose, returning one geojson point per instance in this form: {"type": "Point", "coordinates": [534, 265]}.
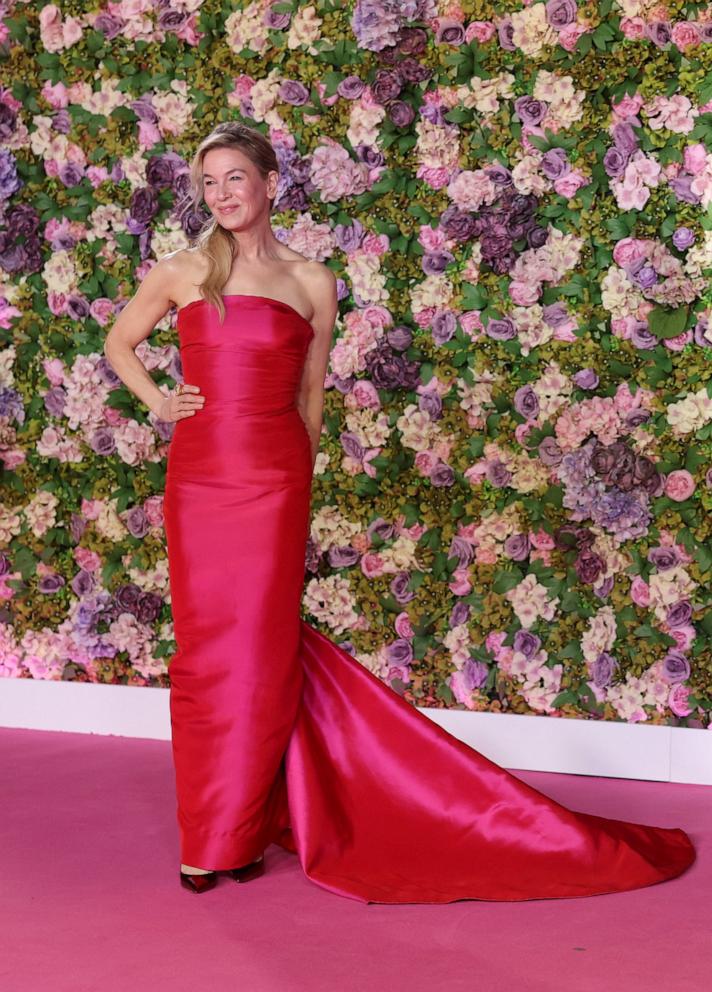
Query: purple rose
{"type": "Point", "coordinates": [679, 614]}
{"type": "Point", "coordinates": [386, 86]}
{"type": "Point", "coordinates": [530, 111]}
{"type": "Point", "coordinates": [102, 441]}
{"type": "Point", "coordinates": [615, 162]}
{"type": "Point", "coordinates": [602, 669]}
{"type": "Point", "coordinates": [450, 32]}
{"type": "Point", "coordinates": [442, 475]}
{"type": "Point", "coordinates": [555, 314]}
{"type": "Point", "coordinates": [433, 263]}
{"type": "Point", "coordinates": [273, 19]}
{"type": "Point", "coordinates": [663, 558]}
{"type": "Point", "coordinates": [352, 446]}
{"type": "Point", "coordinates": [659, 32]}
{"type": "Point", "coordinates": [559, 13]}
{"type": "Point", "coordinates": [555, 163]}
{"type": "Point", "coordinates": [526, 403]}
{"type": "Point", "coordinates": [459, 614]}
{"type": "Point", "coordinates": [498, 475]}
{"type": "Point", "coordinates": [586, 379]}
{"type": "Point", "coordinates": [349, 88]}
{"type": "Point", "coordinates": [625, 138]}
{"type": "Point", "coordinates": [444, 325]}
{"type": "Point", "coordinates": [457, 224]}
{"type": "Point", "coordinates": [293, 92]}
{"type": "Point", "coordinates": [676, 667]}
{"type": "Point", "coordinates": [399, 588]}
{"type": "Point", "coordinates": [703, 333]}
{"type": "Point", "coordinates": [505, 34]}
{"type": "Point", "coordinates": [516, 547]}
{"type": "Point", "coordinates": [549, 451]}
{"type": "Point", "coordinates": [501, 330]}
{"type": "Point", "coordinates": [642, 337]}
{"type": "Point", "coordinates": [462, 550]}
{"type": "Point", "coordinates": [401, 113]}
{"type": "Point", "coordinates": [49, 584]}
{"type": "Point", "coordinates": [400, 652]}
{"type": "Point", "coordinates": [343, 556]}
{"type": "Point", "coordinates": [83, 583]}
{"type": "Point", "coordinates": [400, 338]}
{"type": "Point", "coordinates": [526, 643]}
{"type": "Point", "coordinates": [683, 238]}
{"type": "Point", "coordinates": [431, 403]}
{"type": "Point", "coordinates": [589, 567]}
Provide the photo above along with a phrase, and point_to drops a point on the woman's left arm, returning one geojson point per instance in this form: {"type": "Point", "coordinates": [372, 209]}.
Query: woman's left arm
{"type": "Point", "coordinates": [310, 396]}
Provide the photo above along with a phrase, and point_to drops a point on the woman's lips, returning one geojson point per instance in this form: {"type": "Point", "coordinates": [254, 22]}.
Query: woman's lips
{"type": "Point", "coordinates": [229, 210]}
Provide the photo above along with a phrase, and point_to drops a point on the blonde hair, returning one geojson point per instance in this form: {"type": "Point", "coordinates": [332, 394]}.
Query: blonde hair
{"type": "Point", "coordinates": [213, 240]}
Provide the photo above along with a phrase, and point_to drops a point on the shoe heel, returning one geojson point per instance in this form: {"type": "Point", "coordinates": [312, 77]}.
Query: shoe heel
{"type": "Point", "coordinates": [247, 872]}
{"type": "Point", "coordinates": [198, 882]}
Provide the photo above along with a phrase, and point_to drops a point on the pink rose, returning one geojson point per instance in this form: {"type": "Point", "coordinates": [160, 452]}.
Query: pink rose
{"type": "Point", "coordinates": [683, 636]}
{"type": "Point", "coordinates": [685, 34]}
{"type": "Point", "coordinates": [541, 540]}
{"type": "Point", "coordinates": [365, 394]}
{"type": "Point", "coordinates": [459, 584]}
{"type": "Point", "coordinates": [54, 370]}
{"type": "Point", "coordinates": [569, 36]}
{"type": "Point", "coordinates": [628, 106]}
{"type": "Point", "coordinates": [633, 28]}
{"type": "Point", "coordinates": [425, 462]}
{"type": "Point", "coordinates": [86, 559]}
{"type": "Point", "coordinates": [569, 184]}
{"type": "Point", "coordinates": [523, 294]}
{"type": "Point", "coordinates": [424, 318]}
{"type": "Point", "coordinates": [435, 178]}
{"type": "Point", "coordinates": [678, 700]}
{"type": "Point", "coordinates": [494, 642]}
{"type": "Point", "coordinates": [679, 485]}
{"type": "Point", "coordinates": [640, 591]}
{"type": "Point", "coordinates": [485, 556]}
{"type": "Point", "coordinates": [372, 565]}
{"type": "Point", "coordinates": [55, 95]}
{"type": "Point", "coordinates": [678, 343]}
{"type": "Point", "coordinates": [481, 31]}
{"type": "Point", "coordinates": [153, 508]}
{"type": "Point", "coordinates": [695, 158]}
{"type": "Point", "coordinates": [627, 251]}
{"type": "Point", "coordinates": [102, 309]}
{"type": "Point", "coordinates": [624, 400]}
{"type": "Point", "coordinates": [375, 244]}
{"type": "Point", "coordinates": [470, 321]}
{"type": "Point", "coordinates": [90, 508]}
{"type": "Point", "coordinates": [403, 627]}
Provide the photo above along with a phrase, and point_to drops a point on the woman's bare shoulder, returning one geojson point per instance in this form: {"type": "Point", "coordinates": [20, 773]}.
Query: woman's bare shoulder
{"type": "Point", "coordinates": [185, 267]}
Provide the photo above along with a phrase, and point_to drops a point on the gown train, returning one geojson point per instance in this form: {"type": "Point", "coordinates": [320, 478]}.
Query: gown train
{"type": "Point", "coordinates": [281, 736]}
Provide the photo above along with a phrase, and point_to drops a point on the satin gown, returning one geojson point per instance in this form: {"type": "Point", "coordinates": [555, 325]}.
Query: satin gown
{"type": "Point", "coordinates": [279, 735]}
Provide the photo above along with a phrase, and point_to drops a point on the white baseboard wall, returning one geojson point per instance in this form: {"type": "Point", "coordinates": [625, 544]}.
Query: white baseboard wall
{"type": "Point", "coordinates": [531, 743]}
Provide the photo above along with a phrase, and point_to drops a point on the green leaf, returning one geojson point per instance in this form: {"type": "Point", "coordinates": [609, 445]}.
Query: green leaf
{"type": "Point", "coordinates": [504, 581]}
{"type": "Point", "coordinates": [665, 323]}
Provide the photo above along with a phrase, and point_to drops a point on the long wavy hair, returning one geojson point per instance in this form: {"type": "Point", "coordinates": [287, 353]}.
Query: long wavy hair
{"type": "Point", "coordinates": [215, 241]}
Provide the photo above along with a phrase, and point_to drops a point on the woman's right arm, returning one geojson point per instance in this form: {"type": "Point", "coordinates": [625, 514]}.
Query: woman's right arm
{"type": "Point", "coordinates": [152, 300]}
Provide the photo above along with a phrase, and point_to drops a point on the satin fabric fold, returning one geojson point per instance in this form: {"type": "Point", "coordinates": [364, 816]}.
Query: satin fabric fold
{"type": "Point", "coordinates": [281, 736]}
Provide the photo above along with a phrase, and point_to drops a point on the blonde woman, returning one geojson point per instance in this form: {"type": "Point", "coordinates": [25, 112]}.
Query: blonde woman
{"type": "Point", "coordinates": [279, 735]}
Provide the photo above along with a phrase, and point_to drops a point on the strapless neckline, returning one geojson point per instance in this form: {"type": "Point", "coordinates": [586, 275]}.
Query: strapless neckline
{"type": "Point", "coordinates": [250, 296]}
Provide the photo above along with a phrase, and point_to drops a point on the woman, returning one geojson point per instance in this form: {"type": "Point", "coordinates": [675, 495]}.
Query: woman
{"type": "Point", "coordinates": [278, 735]}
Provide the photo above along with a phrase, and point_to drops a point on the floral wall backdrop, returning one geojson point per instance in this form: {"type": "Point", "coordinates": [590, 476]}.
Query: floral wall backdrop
{"type": "Point", "coordinates": [511, 506]}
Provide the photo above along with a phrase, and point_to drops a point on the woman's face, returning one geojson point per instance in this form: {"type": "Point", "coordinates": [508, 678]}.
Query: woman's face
{"type": "Point", "coordinates": [233, 190]}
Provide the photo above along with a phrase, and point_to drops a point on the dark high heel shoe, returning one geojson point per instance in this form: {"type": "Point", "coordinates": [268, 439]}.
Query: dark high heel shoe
{"type": "Point", "coordinates": [246, 872]}
{"type": "Point", "coordinates": [199, 882]}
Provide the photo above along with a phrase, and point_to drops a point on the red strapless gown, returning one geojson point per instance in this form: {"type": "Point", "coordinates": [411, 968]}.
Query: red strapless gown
{"type": "Point", "coordinates": [279, 735]}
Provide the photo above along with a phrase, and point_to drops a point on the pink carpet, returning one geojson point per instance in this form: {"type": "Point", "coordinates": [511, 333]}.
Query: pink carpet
{"type": "Point", "coordinates": [90, 899]}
